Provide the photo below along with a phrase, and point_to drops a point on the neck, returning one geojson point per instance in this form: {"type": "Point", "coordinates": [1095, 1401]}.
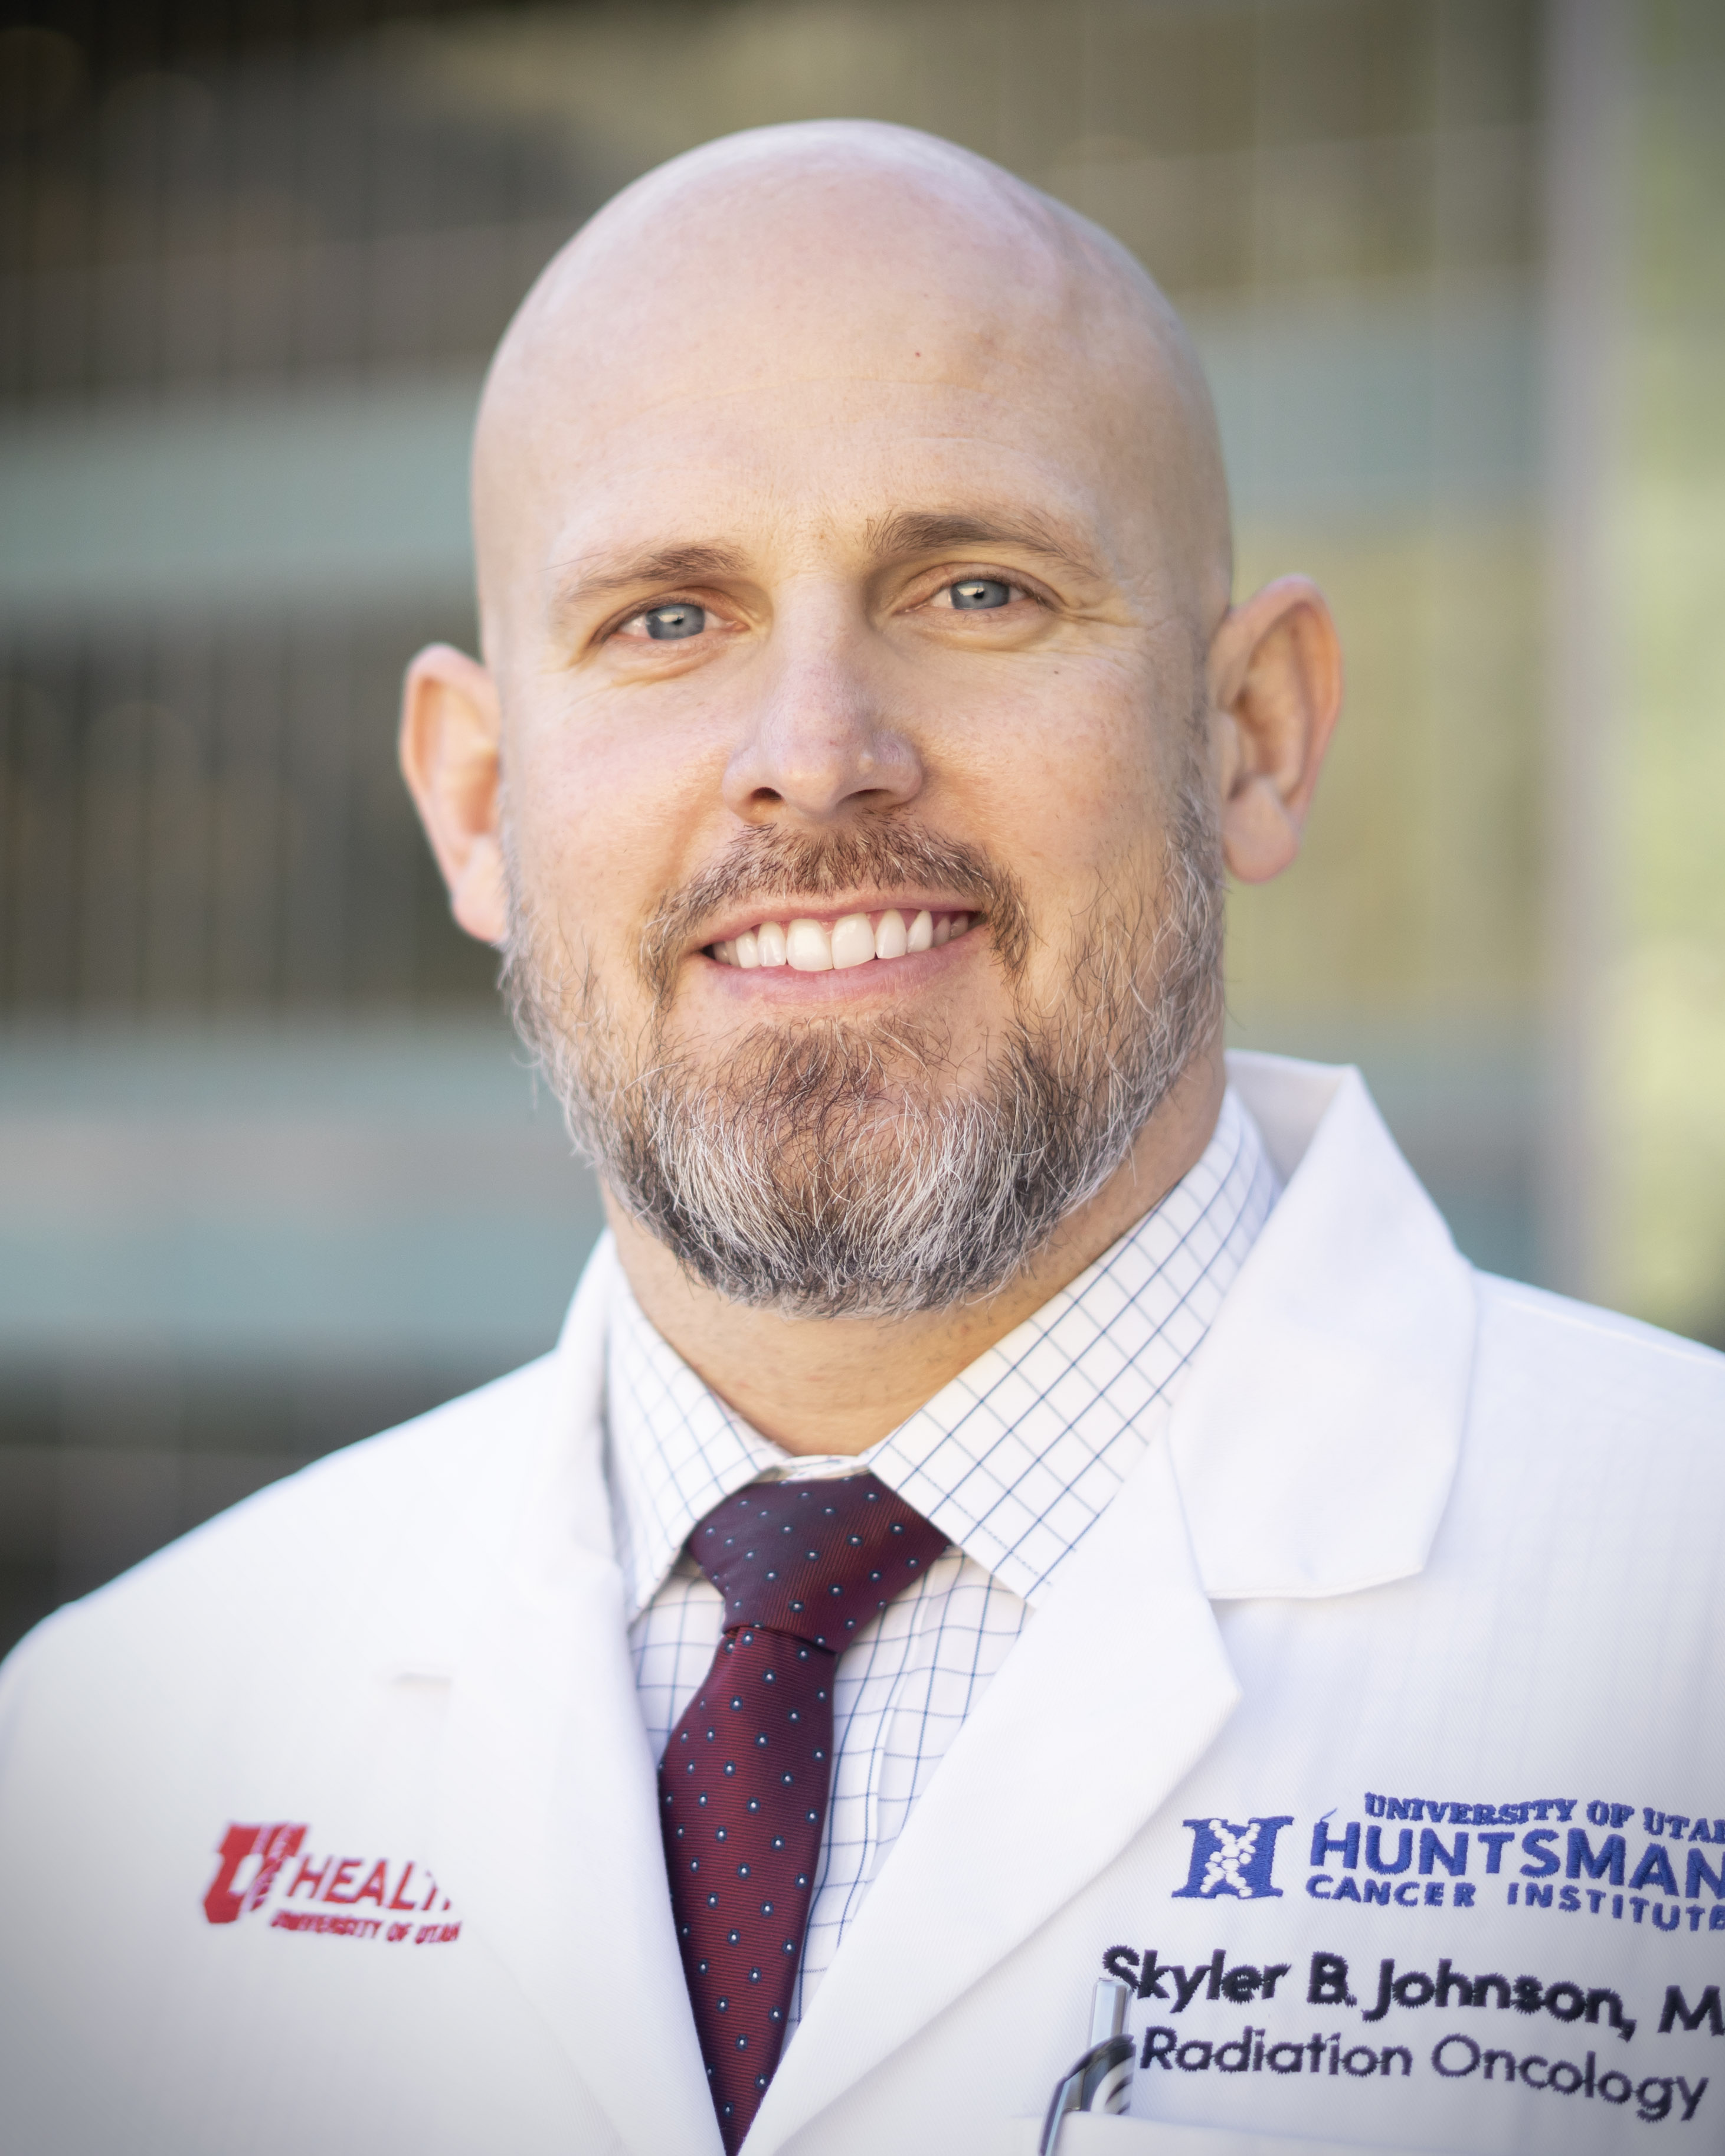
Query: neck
{"type": "Point", "coordinates": [841, 1384]}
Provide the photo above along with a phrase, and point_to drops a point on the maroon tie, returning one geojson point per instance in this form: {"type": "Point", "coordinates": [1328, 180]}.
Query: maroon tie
{"type": "Point", "coordinates": [802, 1567]}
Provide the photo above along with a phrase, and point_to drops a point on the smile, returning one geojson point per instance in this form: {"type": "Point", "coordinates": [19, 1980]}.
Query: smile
{"type": "Point", "coordinates": [856, 939]}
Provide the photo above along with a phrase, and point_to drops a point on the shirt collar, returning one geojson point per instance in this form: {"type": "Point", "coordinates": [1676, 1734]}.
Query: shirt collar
{"type": "Point", "coordinates": [1019, 1454]}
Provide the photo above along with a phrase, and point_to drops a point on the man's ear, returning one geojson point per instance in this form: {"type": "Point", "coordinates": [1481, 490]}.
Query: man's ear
{"type": "Point", "coordinates": [1275, 691]}
{"type": "Point", "coordinates": [451, 757]}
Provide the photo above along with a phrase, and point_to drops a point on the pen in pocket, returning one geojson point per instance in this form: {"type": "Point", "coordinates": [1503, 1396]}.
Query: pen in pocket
{"type": "Point", "coordinates": [1102, 2079]}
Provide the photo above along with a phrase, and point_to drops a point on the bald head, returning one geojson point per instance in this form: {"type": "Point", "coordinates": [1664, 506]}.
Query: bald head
{"type": "Point", "coordinates": [813, 266]}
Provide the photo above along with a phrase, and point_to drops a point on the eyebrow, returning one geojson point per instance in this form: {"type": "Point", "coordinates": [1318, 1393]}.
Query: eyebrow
{"type": "Point", "coordinates": [592, 575]}
{"type": "Point", "coordinates": [923, 532]}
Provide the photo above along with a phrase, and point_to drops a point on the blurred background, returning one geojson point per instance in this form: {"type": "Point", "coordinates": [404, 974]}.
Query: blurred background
{"type": "Point", "coordinates": [272, 1173]}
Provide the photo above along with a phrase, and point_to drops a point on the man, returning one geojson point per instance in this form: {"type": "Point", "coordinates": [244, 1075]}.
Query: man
{"type": "Point", "coordinates": [1011, 1503]}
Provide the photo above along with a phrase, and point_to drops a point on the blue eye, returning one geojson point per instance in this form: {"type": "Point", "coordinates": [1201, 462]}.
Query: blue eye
{"type": "Point", "coordinates": [666, 624]}
{"type": "Point", "coordinates": [977, 592]}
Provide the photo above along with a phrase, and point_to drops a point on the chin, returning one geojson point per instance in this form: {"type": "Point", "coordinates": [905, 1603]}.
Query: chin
{"type": "Point", "coordinates": [845, 1064]}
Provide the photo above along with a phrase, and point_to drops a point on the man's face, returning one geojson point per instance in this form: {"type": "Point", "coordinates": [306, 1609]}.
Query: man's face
{"type": "Point", "coordinates": [838, 622]}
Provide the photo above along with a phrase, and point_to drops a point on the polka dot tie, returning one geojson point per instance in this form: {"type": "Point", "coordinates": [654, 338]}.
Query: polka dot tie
{"type": "Point", "coordinates": [743, 1786]}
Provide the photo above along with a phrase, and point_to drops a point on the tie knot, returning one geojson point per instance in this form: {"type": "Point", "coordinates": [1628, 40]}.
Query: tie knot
{"type": "Point", "coordinates": [815, 1560]}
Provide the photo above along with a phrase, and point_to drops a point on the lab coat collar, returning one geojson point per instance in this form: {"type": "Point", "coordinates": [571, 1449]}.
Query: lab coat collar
{"type": "Point", "coordinates": [1317, 1438]}
{"type": "Point", "coordinates": [1311, 1453]}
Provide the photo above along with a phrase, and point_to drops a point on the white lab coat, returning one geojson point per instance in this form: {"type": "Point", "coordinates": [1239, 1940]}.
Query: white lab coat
{"type": "Point", "coordinates": [1422, 1554]}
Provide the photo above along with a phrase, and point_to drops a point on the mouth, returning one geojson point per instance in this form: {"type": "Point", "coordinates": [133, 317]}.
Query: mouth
{"type": "Point", "coordinates": [807, 944]}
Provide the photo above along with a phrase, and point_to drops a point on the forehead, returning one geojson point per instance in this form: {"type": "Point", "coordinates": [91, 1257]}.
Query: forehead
{"type": "Point", "coordinates": [821, 469]}
{"type": "Point", "coordinates": [784, 412]}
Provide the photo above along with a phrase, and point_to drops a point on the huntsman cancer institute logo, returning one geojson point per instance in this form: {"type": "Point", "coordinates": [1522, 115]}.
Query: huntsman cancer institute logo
{"type": "Point", "coordinates": [1227, 1859]}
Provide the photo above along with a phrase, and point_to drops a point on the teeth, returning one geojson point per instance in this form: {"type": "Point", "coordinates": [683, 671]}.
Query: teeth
{"type": "Point", "coordinates": [808, 948]}
{"type": "Point", "coordinates": [853, 941]}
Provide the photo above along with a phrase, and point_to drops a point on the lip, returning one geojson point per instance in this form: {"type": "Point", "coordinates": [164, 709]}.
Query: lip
{"type": "Point", "coordinates": [770, 908]}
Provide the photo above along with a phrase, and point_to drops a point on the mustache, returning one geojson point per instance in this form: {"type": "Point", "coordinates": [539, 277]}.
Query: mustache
{"type": "Point", "coordinates": [765, 864]}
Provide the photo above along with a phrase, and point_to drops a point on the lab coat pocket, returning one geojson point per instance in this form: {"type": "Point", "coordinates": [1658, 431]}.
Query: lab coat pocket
{"type": "Point", "coordinates": [1095, 2133]}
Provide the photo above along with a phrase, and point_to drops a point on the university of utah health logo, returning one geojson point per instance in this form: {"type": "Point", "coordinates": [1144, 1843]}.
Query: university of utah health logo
{"type": "Point", "coordinates": [1227, 1859]}
{"type": "Point", "coordinates": [343, 1897]}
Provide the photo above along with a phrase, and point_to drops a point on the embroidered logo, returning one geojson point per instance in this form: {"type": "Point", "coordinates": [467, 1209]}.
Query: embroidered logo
{"type": "Point", "coordinates": [1227, 1859]}
{"type": "Point", "coordinates": [253, 1871]}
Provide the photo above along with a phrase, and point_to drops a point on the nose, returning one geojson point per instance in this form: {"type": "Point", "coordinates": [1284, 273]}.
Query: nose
{"type": "Point", "coordinates": [820, 746]}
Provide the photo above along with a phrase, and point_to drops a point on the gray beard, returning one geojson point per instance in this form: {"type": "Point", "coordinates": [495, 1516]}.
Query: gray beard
{"type": "Point", "coordinates": [821, 1171]}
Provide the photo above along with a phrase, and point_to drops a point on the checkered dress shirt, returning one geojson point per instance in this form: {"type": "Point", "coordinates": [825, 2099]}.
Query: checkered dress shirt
{"type": "Point", "coordinates": [1015, 1460]}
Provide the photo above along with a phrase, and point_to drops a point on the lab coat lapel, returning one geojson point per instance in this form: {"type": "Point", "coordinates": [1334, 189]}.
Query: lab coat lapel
{"type": "Point", "coordinates": [1118, 1685]}
{"type": "Point", "coordinates": [1317, 1437]}
{"type": "Point", "coordinates": [549, 1837]}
